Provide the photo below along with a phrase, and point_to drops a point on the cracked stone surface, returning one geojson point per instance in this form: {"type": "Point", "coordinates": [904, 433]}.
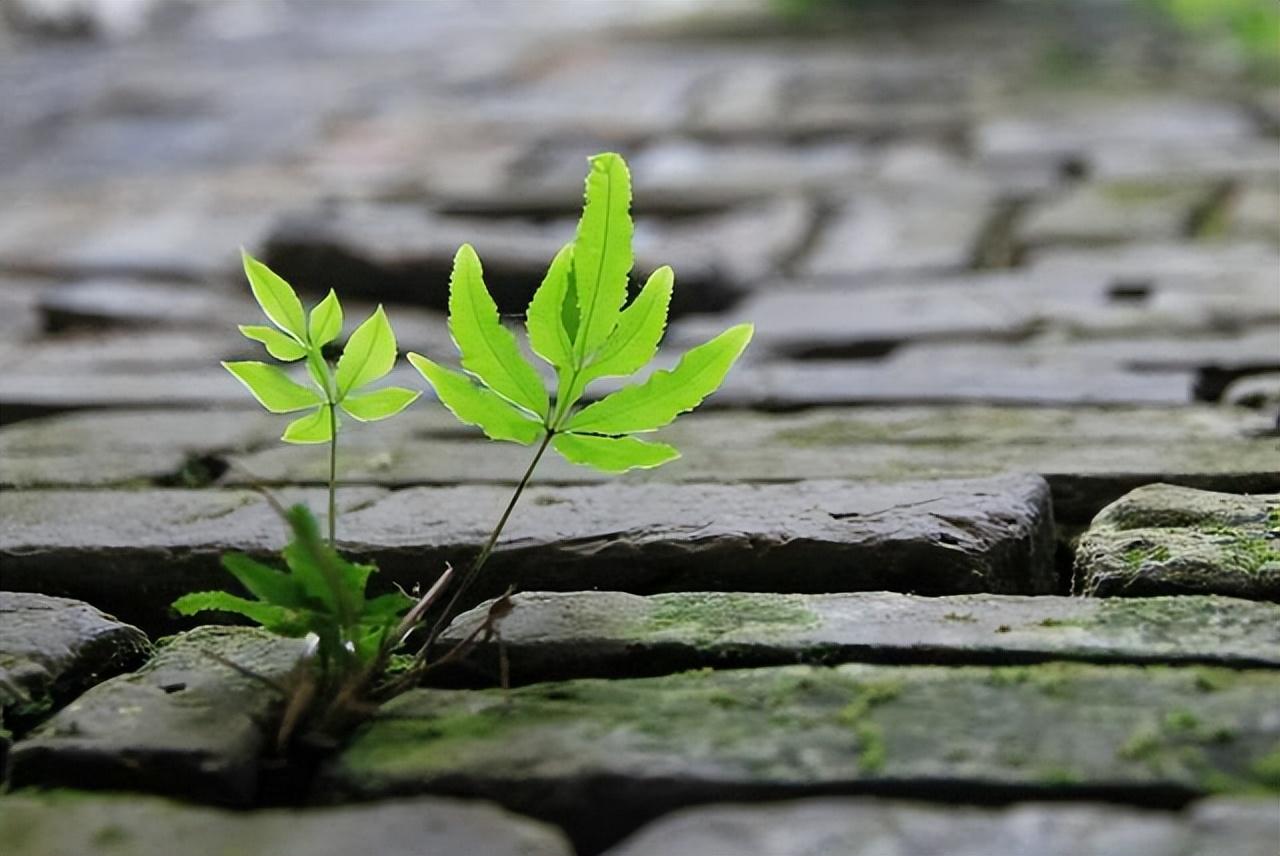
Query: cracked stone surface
{"type": "Point", "coordinates": [184, 724]}
{"type": "Point", "coordinates": [559, 635]}
{"type": "Point", "coordinates": [52, 649]}
{"type": "Point", "coordinates": [68, 822]}
{"type": "Point", "coordinates": [935, 537]}
{"type": "Point", "coordinates": [868, 827]}
{"type": "Point", "coordinates": [646, 746]}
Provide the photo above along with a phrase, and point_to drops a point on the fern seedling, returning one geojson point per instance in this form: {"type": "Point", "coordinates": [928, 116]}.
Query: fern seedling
{"type": "Point", "coordinates": [322, 595]}
{"type": "Point", "coordinates": [367, 357]}
{"type": "Point", "coordinates": [577, 323]}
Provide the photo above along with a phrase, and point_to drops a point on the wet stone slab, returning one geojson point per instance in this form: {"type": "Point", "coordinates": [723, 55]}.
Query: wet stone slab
{"type": "Point", "coordinates": [134, 552]}
{"type": "Point", "coordinates": [939, 537]}
{"type": "Point", "coordinates": [863, 827]}
{"type": "Point", "coordinates": [555, 636]}
{"type": "Point", "coordinates": [1089, 455]}
{"type": "Point", "coordinates": [184, 724]}
{"type": "Point", "coordinates": [52, 649]}
{"type": "Point", "coordinates": [646, 746]}
{"type": "Point", "coordinates": [1163, 539]}
{"type": "Point", "coordinates": [68, 822]}
{"type": "Point", "coordinates": [405, 253]}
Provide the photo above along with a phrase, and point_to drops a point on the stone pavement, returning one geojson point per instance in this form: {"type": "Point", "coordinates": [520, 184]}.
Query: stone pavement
{"type": "Point", "coordinates": [988, 519]}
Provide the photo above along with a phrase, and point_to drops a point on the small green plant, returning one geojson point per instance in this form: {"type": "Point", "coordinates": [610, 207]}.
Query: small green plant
{"type": "Point", "coordinates": [367, 357]}
{"type": "Point", "coordinates": [577, 324]}
{"type": "Point", "coordinates": [322, 596]}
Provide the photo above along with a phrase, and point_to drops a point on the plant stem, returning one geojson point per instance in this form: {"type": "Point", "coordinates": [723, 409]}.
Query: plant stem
{"type": "Point", "coordinates": [478, 564]}
{"type": "Point", "coordinates": [333, 476]}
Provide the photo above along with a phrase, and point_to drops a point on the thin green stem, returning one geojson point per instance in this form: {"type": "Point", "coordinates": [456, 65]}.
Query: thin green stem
{"type": "Point", "coordinates": [472, 572]}
{"type": "Point", "coordinates": [333, 476]}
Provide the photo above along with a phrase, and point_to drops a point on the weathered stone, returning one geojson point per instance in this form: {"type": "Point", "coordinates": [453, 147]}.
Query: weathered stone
{"type": "Point", "coordinates": [52, 649]}
{"type": "Point", "coordinates": [645, 746]}
{"type": "Point", "coordinates": [860, 827]}
{"type": "Point", "coordinates": [1048, 308]}
{"type": "Point", "coordinates": [929, 537]}
{"type": "Point", "coordinates": [185, 723]}
{"type": "Point", "coordinates": [903, 380]}
{"type": "Point", "coordinates": [1109, 213]}
{"type": "Point", "coordinates": [100, 303]}
{"type": "Point", "coordinates": [1242, 159]}
{"type": "Point", "coordinates": [390, 252]}
{"type": "Point", "coordinates": [133, 552]}
{"type": "Point", "coordinates": [66, 822]}
{"type": "Point", "coordinates": [900, 231]}
{"type": "Point", "coordinates": [1163, 539]}
{"type": "Point", "coordinates": [554, 636]}
{"type": "Point", "coordinates": [117, 447]}
{"type": "Point", "coordinates": [1158, 262]}
{"type": "Point", "coordinates": [1090, 456]}
{"type": "Point", "coordinates": [1069, 131]}
{"type": "Point", "coordinates": [941, 537]}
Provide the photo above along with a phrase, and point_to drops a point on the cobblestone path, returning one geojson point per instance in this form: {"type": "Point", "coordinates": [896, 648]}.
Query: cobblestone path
{"type": "Point", "coordinates": [977, 552]}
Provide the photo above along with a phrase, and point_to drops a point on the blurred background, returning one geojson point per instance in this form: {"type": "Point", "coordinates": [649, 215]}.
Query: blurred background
{"type": "Point", "coordinates": [1065, 203]}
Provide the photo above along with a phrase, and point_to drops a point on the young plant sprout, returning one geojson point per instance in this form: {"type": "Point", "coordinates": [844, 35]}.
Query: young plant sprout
{"type": "Point", "coordinates": [578, 322]}
{"type": "Point", "coordinates": [323, 595]}
{"type": "Point", "coordinates": [368, 355]}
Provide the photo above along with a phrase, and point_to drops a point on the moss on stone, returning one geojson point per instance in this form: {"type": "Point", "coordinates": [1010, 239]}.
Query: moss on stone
{"type": "Point", "coordinates": [708, 617]}
{"type": "Point", "coordinates": [1266, 770]}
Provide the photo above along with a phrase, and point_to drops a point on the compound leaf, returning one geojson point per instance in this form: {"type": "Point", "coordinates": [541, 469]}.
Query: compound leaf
{"type": "Point", "coordinates": [278, 345]}
{"type": "Point", "coordinates": [379, 404]}
{"type": "Point", "coordinates": [602, 252]}
{"type": "Point", "coordinates": [473, 405]}
{"type": "Point", "coordinates": [613, 454]}
{"type": "Point", "coordinates": [315, 427]}
{"type": "Point", "coordinates": [666, 394]}
{"type": "Point", "coordinates": [276, 297]}
{"type": "Point", "coordinates": [326, 321]}
{"type": "Point", "coordinates": [489, 350]}
{"type": "Point", "coordinates": [277, 619]}
{"type": "Point", "coordinates": [369, 354]}
{"type": "Point", "coordinates": [548, 336]}
{"type": "Point", "coordinates": [265, 583]}
{"type": "Point", "coordinates": [635, 340]}
{"type": "Point", "coordinates": [273, 388]}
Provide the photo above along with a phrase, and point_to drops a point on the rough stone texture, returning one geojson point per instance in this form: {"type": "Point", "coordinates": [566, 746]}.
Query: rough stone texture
{"type": "Point", "coordinates": [1090, 456]}
{"type": "Point", "coordinates": [1069, 130]}
{"type": "Point", "coordinates": [900, 231]}
{"type": "Point", "coordinates": [116, 447]}
{"type": "Point", "coordinates": [184, 724]}
{"type": "Point", "coordinates": [862, 827]}
{"type": "Point", "coordinates": [646, 746]}
{"type": "Point", "coordinates": [1005, 312]}
{"type": "Point", "coordinates": [1162, 539]}
{"type": "Point", "coordinates": [390, 252]}
{"type": "Point", "coordinates": [52, 649]}
{"type": "Point", "coordinates": [133, 552]}
{"type": "Point", "coordinates": [555, 636]}
{"type": "Point", "coordinates": [1208, 447]}
{"type": "Point", "coordinates": [940, 537]}
{"type": "Point", "coordinates": [101, 303]}
{"type": "Point", "coordinates": [67, 822]}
